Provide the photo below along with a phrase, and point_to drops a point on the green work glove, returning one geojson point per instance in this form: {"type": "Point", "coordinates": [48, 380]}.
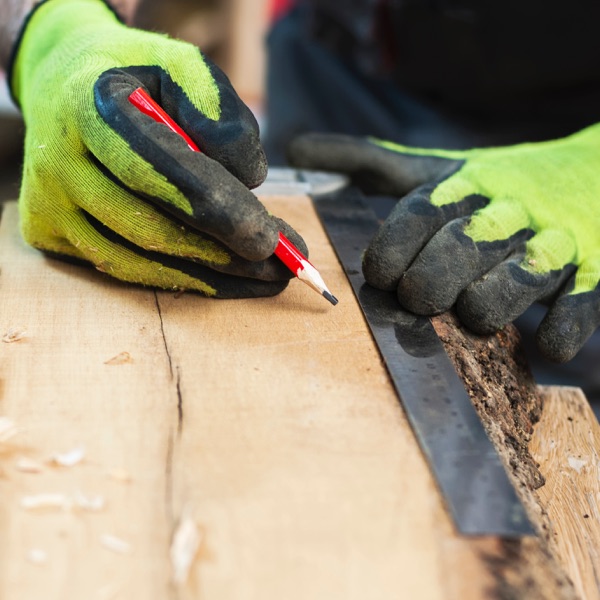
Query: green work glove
{"type": "Point", "coordinates": [104, 183]}
{"type": "Point", "coordinates": [492, 230]}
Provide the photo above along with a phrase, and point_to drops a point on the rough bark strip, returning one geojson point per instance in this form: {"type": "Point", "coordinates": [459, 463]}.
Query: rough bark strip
{"type": "Point", "coordinates": [498, 379]}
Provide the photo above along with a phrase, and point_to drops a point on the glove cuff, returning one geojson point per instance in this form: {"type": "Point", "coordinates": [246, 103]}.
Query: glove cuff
{"type": "Point", "coordinates": [10, 70]}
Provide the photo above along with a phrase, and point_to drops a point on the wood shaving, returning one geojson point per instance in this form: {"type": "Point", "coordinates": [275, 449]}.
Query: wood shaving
{"type": "Point", "coordinates": [7, 429]}
{"type": "Point", "coordinates": [45, 502]}
{"type": "Point", "coordinates": [115, 544]}
{"type": "Point", "coordinates": [68, 459]}
{"type": "Point", "coordinates": [49, 501]}
{"type": "Point", "coordinates": [119, 475]}
{"type": "Point", "coordinates": [28, 465]}
{"type": "Point", "coordinates": [14, 334]}
{"type": "Point", "coordinates": [120, 359]}
{"type": "Point", "coordinates": [184, 548]}
{"type": "Point", "coordinates": [37, 556]}
{"type": "Point", "coordinates": [576, 463]}
{"type": "Point", "coordinates": [89, 503]}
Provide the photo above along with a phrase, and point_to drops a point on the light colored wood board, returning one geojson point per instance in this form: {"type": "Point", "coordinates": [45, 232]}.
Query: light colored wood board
{"type": "Point", "coordinates": [566, 443]}
{"type": "Point", "coordinates": [315, 488]}
{"type": "Point", "coordinates": [292, 450]}
{"type": "Point", "coordinates": [272, 421]}
{"type": "Point", "coordinates": [57, 388]}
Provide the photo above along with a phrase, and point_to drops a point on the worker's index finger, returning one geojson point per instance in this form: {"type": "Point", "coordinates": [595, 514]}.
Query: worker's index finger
{"type": "Point", "coordinates": [372, 167]}
{"type": "Point", "coordinates": [228, 132]}
{"type": "Point", "coordinates": [409, 227]}
{"type": "Point", "coordinates": [233, 139]}
{"type": "Point", "coordinates": [156, 164]}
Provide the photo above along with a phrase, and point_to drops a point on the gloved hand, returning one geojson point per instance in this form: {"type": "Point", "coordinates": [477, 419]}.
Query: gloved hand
{"type": "Point", "coordinates": [104, 183]}
{"type": "Point", "coordinates": [492, 230]}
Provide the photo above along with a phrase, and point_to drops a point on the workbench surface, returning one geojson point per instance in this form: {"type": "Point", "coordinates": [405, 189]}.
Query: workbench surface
{"type": "Point", "coordinates": [247, 449]}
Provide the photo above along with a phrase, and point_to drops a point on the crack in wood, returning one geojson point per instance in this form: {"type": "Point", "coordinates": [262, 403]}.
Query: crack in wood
{"type": "Point", "coordinates": [162, 331]}
{"type": "Point", "coordinates": [169, 479]}
{"type": "Point", "coordinates": [179, 403]}
{"type": "Point", "coordinates": [175, 373]}
{"type": "Point", "coordinates": [171, 370]}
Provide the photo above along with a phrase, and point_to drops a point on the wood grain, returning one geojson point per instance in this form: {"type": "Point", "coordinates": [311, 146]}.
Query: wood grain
{"type": "Point", "coordinates": [270, 423]}
{"type": "Point", "coordinates": [566, 444]}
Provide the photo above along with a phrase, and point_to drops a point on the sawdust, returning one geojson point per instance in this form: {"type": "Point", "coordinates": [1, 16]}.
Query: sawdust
{"type": "Point", "coordinates": [184, 548]}
{"type": "Point", "coordinates": [37, 556]}
{"type": "Point", "coordinates": [62, 502]}
{"type": "Point", "coordinates": [68, 459]}
{"type": "Point", "coordinates": [28, 465]}
{"type": "Point", "coordinates": [13, 334]}
{"type": "Point", "coordinates": [122, 358]}
{"type": "Point", "coordinates": [45, 501]}
{"type": "Point", "coordinates": [115, 544]}
{"type": "Point", "coordinates": [8, 429]}
{"type": "Point", "coordinates": [120, 475]}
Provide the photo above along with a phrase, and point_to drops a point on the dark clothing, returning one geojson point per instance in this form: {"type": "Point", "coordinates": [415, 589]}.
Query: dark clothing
{"type": "Point", "coordinates": [488, 57]}
{"type": "Point", "coordinates": [430, 73]}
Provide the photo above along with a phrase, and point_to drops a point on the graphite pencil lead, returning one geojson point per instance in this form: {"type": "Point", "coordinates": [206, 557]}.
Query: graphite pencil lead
{"type": "Point", "coordinates": [330, 297]}
{"type": "Point", "coordinates": [309, 275]}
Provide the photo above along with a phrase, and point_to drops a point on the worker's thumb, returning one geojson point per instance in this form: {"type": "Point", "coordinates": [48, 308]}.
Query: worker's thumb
{"type": "Point", "coordinates": [374, 166]}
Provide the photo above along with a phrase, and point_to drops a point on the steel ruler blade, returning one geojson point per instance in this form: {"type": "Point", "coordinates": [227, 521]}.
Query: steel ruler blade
{"type": "Point", "coordinates": [465, 463]}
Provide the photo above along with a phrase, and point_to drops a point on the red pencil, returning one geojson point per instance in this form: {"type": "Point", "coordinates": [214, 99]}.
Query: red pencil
{"type": "Point", "coordinates": [291, 257]}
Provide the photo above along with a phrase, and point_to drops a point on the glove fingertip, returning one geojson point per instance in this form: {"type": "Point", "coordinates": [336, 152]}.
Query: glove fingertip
{"type": "Point", "coordinates": [557, 346]}
{"type": "Point", "coordinates": [245, 159]}
{"type": "Point", "coordinates": [256, 241]}
{"type": "Point", "coordinates": [380, 275]}
{"type": "Point", "coordinates": [567, 326]}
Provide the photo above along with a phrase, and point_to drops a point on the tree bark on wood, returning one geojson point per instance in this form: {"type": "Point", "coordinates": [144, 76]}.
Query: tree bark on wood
{"type": "Point", "coordinates": [499, 381]}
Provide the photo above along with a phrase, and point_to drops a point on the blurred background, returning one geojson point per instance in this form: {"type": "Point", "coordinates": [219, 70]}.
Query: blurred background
{"type": "Point", "coordinates": [230, 32]}
{"type": "Point", "coordinates": [11, 144]}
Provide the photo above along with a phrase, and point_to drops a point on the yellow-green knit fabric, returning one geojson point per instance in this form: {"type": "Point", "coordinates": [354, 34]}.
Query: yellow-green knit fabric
{"type": "Point", "coordinates": [66, 45]}
{"type": "Point", "coordinates": [553, 188]}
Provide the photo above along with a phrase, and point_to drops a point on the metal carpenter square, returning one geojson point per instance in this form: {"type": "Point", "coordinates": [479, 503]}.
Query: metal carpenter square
{"type": "Point", "coordinates": [466, 465]}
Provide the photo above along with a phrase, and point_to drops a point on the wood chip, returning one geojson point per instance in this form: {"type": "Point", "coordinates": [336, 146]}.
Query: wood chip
{"type": "Point", "coordinates": [119, 475]}
{"type": "Point", "coordinates": [37, 556]}
{"type": "Point", "coordinates": [89, 503]}
{"type": "Point", "coordinates": [13, 334]}
{"type": "Point", "coordinates": [46, 502]}
{"type": "Point", "coordinates": [115, 544]}
{"type": "Point", "coordinates": [576, 463]}
{"type": "Point", "coordinates": [7, 429]}
{"type": "Point", "coordinates": [68, 459]}
{"type": "Point", "coordinates": [28, 465]}
{"type": "Point", "coordinates": [120, 359]}
{"type": "Point", "coordinates": [184, 548]}
{"type": "Point", "coordinates": [50, 501]}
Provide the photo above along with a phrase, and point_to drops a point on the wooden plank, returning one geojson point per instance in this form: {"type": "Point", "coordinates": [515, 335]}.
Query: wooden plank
{"type": "Point", "coordinates": [271, 422]}
{"type": "Point", "coordinates": [566, 444]}
{"type": "Point", "coordinates": [59, 390]}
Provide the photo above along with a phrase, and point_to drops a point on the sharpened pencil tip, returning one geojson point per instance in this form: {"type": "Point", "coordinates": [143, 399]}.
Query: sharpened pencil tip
{"type": "Point", "coordinates": [331, 298]}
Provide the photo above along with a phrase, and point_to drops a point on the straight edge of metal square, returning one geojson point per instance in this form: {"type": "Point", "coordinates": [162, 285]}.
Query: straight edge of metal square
{"type": "Point", "coordinates": [464, 462]}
